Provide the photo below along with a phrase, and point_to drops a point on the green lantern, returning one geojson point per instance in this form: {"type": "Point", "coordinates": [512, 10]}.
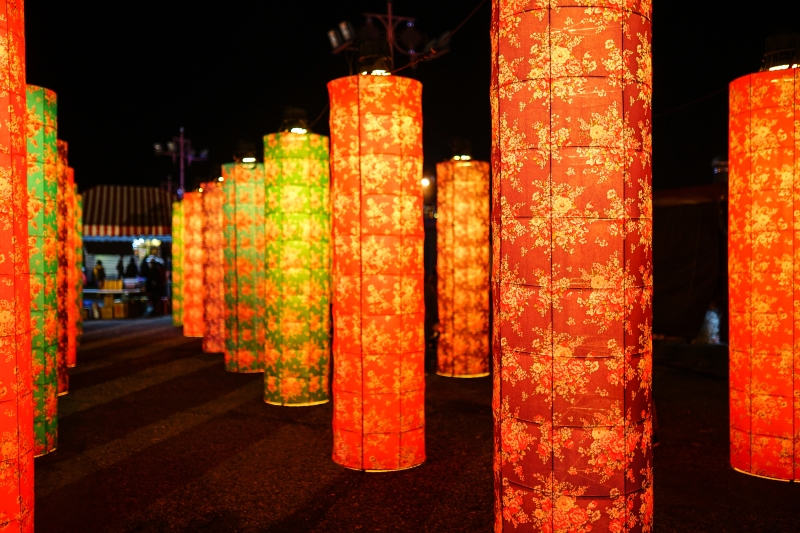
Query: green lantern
{"type": "Point", "coordinates": [243, 214]}
{"type": "Point", "coordinates": [297, 222]}
{"type": "Point", "coordinates": [42, 241]}
{"type": "Point", "coordinates": [177, 264]}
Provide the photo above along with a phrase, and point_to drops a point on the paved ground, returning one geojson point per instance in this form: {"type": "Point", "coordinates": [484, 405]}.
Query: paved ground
{"type": "Point", "coordinates": [156, 437]}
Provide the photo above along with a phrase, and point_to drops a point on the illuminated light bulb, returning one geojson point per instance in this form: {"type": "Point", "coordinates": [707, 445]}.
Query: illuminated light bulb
{"type": "Point", "coordinates": [200, 189]}
{"type": "Point", "coordinates": [426, 182]}
{"type": "Point", "coordinates": [220, 178]}
{"type": "Point", "coordinates": [299, 131]}
{"type": "Point", "coordinates": [379, 72]}
{"type": "Point", "coordinates": [457, 157]}
{"type": "Point", "coordinates": [248, 160]}
{"type": "Point", "coordinates": [779, 67]}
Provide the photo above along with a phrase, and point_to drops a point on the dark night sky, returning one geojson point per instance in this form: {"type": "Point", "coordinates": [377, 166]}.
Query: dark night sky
{"type": "Point", "coordinates": [127, 77]}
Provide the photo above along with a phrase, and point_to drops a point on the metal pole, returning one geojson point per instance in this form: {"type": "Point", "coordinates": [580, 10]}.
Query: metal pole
{"type": "Point", "coordinates": [181, 166]}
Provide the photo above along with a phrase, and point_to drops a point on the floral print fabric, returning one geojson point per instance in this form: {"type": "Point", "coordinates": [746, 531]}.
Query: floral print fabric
{"type": "Point", "coordinates": [213, 269]}
{"type": "Point", "coordinates": [572, 269]}
{"type": "Point", "coordinates": [78, 242]}
{"type": "Point", "coordinates": [193, 264]}
{"type": "Point", "coordinates": [762, 266]}
{"type": "Point", "coordinates": [16, 392]}
{"type": "Point", "coordinates": [63, 274]}
{"type": "Point", "coordinates": [463, 268]}
{"type": "Point", "coordinates": [297, 234]}
{"type": "Point", "coordinates": [378, 301]}
{"type": "Point", "coordinates": [42, 169]}
{"type": "Point", "coordinates": [177, 264]}
{"type": "Point", "coordinates": [72, 274]}
{"type": "Point", "coordinates": [244, 267]}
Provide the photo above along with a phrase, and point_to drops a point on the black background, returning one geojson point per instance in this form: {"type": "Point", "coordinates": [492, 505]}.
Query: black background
{"type": "Point", "coordinates": [133, 73]}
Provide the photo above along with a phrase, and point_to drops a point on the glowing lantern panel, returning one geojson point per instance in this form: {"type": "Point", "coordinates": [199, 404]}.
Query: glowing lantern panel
{"type": "Point", "coordinates": [42, 233]}
{"type": "Point", "coordinates": [244, 267]}
{"type": "Point", "coordinates": [16, 393]}
{"type": "Point", "coordinates": [63, 274]}
{"type": "Point", "coordinates": [763, 271]}
{"type": "Point", "coordinates": [213, 269]}
{"type": "Point", "coordinates": [177, 264]}
{"type": "Point", "coordinates": [378, 276]}
{"type": "Point", "coordinates": [462, 228]}
{"type": "Point", "coordinates": [72, 275]}
{"type": "Point", "coordinates": [297, 234]}
{"type": "Point", "coordinates": [572, 268]}
{"type": "Point", "coordinates": [78, 265]}
{"type": "Point", "coordinates": [193, 264]}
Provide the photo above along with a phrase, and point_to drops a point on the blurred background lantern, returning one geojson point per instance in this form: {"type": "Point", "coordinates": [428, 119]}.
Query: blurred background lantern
{"type": "Point", "coordinates": [572, 269]}
{"type": "Point", "coordinates": [16, 394]}
{"type": "Point", "coordinates": [78, 264]}
{"type": "Point", "coordinates": [378, 272]}
{"type": "Point", "coordinates": [297, 289]}
{"type": "Point", "coordinates": [42, 233]}
{"type": "Point", "coordinates": [177, 264]}
{"type": "Point", "coordinates": [243, 212]}
{"type": "Point", "coordinates": [72, 274]}
{"type": "Point", "coordinates": [63, 274]}
{"type": "Point", "coordinates": [193, 264]}
{"type": "Point", "coordinates": [763, 267]}
{"type": "Point", "coordinates": [462, 267]}
{"type": "Point", "coordinates": [213, 269]}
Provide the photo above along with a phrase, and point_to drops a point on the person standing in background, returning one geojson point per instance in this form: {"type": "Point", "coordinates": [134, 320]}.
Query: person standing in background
{"type": "Point", "coordinates": [99, 274]}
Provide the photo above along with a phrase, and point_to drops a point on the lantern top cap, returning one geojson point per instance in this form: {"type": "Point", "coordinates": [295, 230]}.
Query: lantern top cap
{"type": "Point", "coordinates": [781, 52]}
{"type": "Point", "coordinates": [295, 120]}
{"type": "Point", "coordinates": [375, 58]}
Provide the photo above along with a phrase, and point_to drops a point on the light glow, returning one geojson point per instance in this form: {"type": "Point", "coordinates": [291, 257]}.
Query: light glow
{"type": "Point", "coordinates": [220, 178]}
{"type": "Point", "coordinates": [248, 160]}
{"type": "Point", "coordinates": [299, 131]}
{"type": "Point", "coordinates": [425, 182]}
{"type": "Point", "coordinates": [462, 157]}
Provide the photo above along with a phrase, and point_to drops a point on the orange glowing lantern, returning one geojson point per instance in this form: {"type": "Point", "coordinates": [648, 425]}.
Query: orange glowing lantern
{"type": "Point", "coordinates": [378, 276]}
{"type": "Point", "coordinates": [177, 264]}
{"type": "Point", "coordinates": [244, 267]}
{"type": "Point", "coordinates": [572, 266]}
{"type": "Point", "coordinates": [16, 396]}
{"type": "Point", "coordinates": [213, 269]}
{"type": "Point", "coordinates": [763, 267]}
{"type": "Point", "coordinates": [462, 267]}
{"type": "Point", "coordinates": [63, 276]}
{"type": "Point", "coordinates": [193, 264]}
{"type": "Point", "coordinates": [72, 274]}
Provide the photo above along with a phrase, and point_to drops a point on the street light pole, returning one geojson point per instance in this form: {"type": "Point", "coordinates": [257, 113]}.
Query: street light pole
{"type": "Point", "coordinates": [181, 148]}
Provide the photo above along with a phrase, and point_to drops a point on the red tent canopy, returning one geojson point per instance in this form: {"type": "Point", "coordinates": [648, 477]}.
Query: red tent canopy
{"type": "Point", "coordinates": [120, 211]}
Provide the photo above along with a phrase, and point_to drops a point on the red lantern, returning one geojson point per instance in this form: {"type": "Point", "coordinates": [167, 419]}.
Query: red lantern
{"type": "Point", "coordinates": [16, 397]}
{"type": "Point", "coordinates": [213, 269]}
{"type": "Point", "coordinates": [378, 276]}
{"type": "Point", "coordinates": [763, 266]}
{"type": "Point", "coordinates": [193, 264]}
{"type": "Point", "coordinates": [462, 227]}
{"type": "Point", "coordinates": [72, 273]}
{"type": "Point", "coordinates": [62, 276]}
{"type": "Point", "coordinates": [572, 267]}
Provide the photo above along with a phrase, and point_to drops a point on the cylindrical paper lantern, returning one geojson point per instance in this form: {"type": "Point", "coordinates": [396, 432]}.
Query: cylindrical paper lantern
{"type": "Point", "coordinates": [42, 233]}
{"type": "Point", "coordinates": [298, 219]}
{"type": "Point", "coordinates": [378, 272]}
{"type": "Point", "coordinates": [177, 264]}
{"type": "Point", "coordinates": [244, 267]}
{"type": "Point", "coordinates": [193, 264]}
{"type": "Point", "coordinates": [213, 269]}
{"type": "Point", "coordinates": [572, 266]}
{"type": "Point", "coordinates": [72, 318]}
{"type": "Point", "coordinates": [462, 268]}
{"type": "Point", "coordinates": [16, 382]}
{"type": "Point", "coordinates": [763, 268]}
{"type": "Point", "coordinates": [78, 265]}
{"type": "Point", "coordinates": [63, 277]}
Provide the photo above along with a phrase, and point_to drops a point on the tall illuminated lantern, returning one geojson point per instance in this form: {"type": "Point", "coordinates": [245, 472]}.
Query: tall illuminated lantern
{"type": "Point", "coordinates": [243, 213]}
{"type": "Point", "coordinates": [572, 267]}
{"type": "Point", "coordinates": [213, 269]}
{"type": "Point", "coordinates": [297, 290]}
{"type": "Point", "coordinates": [462, 266]}
{"type": "Point", "coordinates": [16, 391]}
{"type": "Point", "coordinates": [72, 274]}
{"type": "Point", "coordinates": [42, 232]}
{"type": "Point", "coordinates": [78, 243]}
{"type": "Point", "coordinates": [193, 264]}
{"type": "Point", "coordinates": [378, 276]}
{"type": "Point", "coordinates": [63, 274]}
{"type": "Point", "coordinates": [177, 264]}
{"type": "Point", "coordinates": [763, 267]}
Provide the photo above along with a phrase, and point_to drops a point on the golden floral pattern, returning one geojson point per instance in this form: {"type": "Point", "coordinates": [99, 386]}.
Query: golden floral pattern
{"type": "Point", "coordinates": [193, 325]}
{"type": "Point", "coordinates": [762, 265]}
{"type": "Point", "coordinates": [42, 233]}
{"type": "Point", "coordinates": [572, 265]}
{"type": "Point", "coordinates": [213, 269]}
{"type": "Point", "coordinates": [63, 274]}
{"type": "Point", "coordinates": [16, 379]}
{"type": "Point", "coordinates": [463, 268]}
{"type": "Point", "coordinates": [177, 264]}
{"type": "Point", "coordinates": [378, 276]}
{"type": "Point", "coordinates": [72, 273]}
{"type": "Point", "coordinates": [244, 253]}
